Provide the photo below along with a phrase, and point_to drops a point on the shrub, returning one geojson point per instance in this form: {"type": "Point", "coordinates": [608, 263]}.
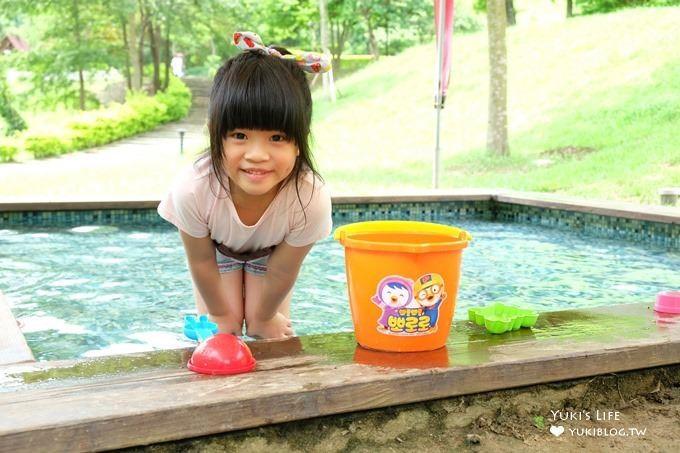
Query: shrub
{"type": "Point", "coordinates": [8, 149]}
{"type": "Point", "coordinates": [466, 23]}
{"type": "Point", "coordinates": [177, 100]}
{"type": "Point", "coordinates": [98, 127]}
{"type": "Point", "coordinates": [605, 6]}
{"type": "Point", "coordinates": [350, 63]}
{"type": "Point", "coordinates": [47, 145]}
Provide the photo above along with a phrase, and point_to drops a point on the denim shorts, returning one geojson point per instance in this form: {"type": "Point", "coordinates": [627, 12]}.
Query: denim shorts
{"type": "Point", "coordinates": [257, 266]}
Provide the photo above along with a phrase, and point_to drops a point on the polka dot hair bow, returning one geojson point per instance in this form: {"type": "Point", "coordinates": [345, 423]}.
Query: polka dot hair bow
{"type": "Point", "coordinates": [308, 61]}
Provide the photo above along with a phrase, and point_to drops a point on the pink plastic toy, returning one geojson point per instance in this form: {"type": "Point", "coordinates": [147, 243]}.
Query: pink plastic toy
{"type": "Point", "coordinates": [668, 302]}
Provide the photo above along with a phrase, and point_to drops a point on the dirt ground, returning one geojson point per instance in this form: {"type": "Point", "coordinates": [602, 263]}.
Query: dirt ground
{"type": "Point", "coordinates": [594, 414]}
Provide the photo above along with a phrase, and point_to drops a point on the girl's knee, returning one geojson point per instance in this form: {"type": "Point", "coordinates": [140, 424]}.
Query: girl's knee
{"type": "Point", "coordinates": [230, 323]}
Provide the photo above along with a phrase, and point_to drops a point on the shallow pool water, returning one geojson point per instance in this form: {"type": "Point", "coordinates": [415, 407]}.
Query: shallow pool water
{"type": "Point", "coordinates": [95, 290]}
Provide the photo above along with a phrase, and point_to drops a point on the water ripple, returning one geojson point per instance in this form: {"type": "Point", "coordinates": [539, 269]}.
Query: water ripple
{"type": "Point", "coordinates": [77, 299]}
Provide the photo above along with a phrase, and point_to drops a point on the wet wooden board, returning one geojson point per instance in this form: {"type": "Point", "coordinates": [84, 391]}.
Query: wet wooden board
{"type": "Point", "coordinates": [313, 376]}
{"type": "Point", "coordinates": [13, 347]}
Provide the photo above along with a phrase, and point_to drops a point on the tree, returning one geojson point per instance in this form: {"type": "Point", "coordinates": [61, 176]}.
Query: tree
{"type": "Point", "coordinates": [13, 119]}
{"type": "Point", "coordinates": [371, 11]}
{"type": "Point", "coordinates": [11, 116]}
{"type": "Point", "coordinates": [510, 12]}
{"type": "Point", "coordinates": [323, 25]}
{"type": "Point", "coordinates": [156, 19]}
{"type": "Point", "coordinates": [497, 131]}
{"type": "Point", "coordinates": [343, 21]}
{"type": "Point", "coordinates": [75, 42]}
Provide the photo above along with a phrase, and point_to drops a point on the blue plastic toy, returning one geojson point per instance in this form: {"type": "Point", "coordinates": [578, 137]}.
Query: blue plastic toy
{"type": "Point", "coordinates": [199, 328]}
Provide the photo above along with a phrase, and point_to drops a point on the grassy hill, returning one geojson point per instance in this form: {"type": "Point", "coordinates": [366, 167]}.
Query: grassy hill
{"type": "Point", "coordinates": [594, 110]}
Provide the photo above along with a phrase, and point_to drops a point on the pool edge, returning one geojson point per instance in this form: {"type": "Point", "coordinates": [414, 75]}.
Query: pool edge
{"type": "Point", "coordinates": [652, 213]}
{"type": "Point", "coordinates": [174, 404]}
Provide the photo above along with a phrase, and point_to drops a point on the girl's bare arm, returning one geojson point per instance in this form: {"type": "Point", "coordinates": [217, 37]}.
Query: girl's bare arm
{"type": "Point", "coordinates": [283, 266]}
{"type": "Point", "coordinates": [203, 267]}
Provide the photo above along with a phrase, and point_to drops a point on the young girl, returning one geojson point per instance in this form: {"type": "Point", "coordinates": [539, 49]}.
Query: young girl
{"type": "Point", "coordinates": [251, 208]}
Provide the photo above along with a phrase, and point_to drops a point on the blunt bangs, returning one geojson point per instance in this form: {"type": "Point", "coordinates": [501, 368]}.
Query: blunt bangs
{"type": "Point", "coordinates": [261, 94]}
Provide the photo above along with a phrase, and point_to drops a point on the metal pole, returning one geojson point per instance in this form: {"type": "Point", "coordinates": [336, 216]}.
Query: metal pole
{"type": "Point", "coordinates": [438, 88]}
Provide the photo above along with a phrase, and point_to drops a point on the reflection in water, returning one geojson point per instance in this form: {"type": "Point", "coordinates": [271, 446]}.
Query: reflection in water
{"type": "Point", "coordinates": [95, 287]}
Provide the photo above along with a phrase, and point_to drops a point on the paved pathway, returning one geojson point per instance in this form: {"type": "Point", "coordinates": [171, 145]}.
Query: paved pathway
{"type": "Point", "coordinates": [146, 149]}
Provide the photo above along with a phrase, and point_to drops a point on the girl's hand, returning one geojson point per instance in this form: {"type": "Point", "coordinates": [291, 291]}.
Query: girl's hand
{"type": "Point", "coordinates": [227, 324]}
{"type": "Point", "coordinates": [277, 327]}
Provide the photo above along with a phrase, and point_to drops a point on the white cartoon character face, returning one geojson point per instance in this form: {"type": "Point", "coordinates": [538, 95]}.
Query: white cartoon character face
{"type": "Point", "coordinates": [395, 295]}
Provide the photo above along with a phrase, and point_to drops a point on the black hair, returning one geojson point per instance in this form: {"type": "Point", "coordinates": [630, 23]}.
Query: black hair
{"type": "Point", "coordinates": [256, 91]}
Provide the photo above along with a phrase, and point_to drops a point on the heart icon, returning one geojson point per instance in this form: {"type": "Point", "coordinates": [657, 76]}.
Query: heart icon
{"type": "Point", "coordinates": [556, 430]}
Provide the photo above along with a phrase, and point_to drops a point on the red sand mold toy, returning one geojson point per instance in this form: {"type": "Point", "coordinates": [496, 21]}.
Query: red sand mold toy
{"type": "Point", "coordinates": [217, 353]}
{"type": "Point", "coordinates": [222, 354]}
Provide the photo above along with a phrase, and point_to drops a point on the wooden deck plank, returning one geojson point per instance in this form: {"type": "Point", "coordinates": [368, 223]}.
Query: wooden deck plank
{"type": "Point", "coordinates": [329, 374]}
{"type": "Point", "coordinates": [13, 347]}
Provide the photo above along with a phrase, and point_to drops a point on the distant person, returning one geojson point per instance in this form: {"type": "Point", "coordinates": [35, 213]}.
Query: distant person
{"type": "Point", "coordinates": [177, 64]}
{"type": "Point", "coordinates": [253, 205]}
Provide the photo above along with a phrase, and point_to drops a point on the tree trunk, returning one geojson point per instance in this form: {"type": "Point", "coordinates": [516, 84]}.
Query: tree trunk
{"type": "Point", "coordinates": [143, 23]}
{"type": "Point", "coordinates": [154, 44]}
{"type": "Point", "coordinates": [510, 12]}
{"type": "Point", "coordinates": [81, 90]}
{"type": "Point", "coordinates": [570, 8]}
{"type": "Point", "coordinates": [133, 53]}
{"type": "Point", "coordinates": [327, 78]}
{"type": "Point", "coordinates": [167, 16]}
{"type": "Point", "coordinates": [340, 34]}
{"type": "Point", "coordinates": [13, 119]}
{"type": "Point", "coordinates": [387, 36]}
{"type": "Point", "coordinates": [76, 19]}
{"type": "Point", "coordinates": [387, 28]}
{"type": "Point", "coordinates": [167, 54]}
{"type": "Point", "coordinates": [323, 25]}
{"type": "Point", "coordinates": [372, 43]}
{"type": "Point", "coordinates": [126, 46]}
{"type": "Point", "coordinates": [497, 132]}
{"type": "Point", "coordinates": [333, 25]}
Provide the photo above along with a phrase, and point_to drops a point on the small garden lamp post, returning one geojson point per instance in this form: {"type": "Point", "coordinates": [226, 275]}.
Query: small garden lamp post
{"type": "Point", "coordinates": [181, 140]}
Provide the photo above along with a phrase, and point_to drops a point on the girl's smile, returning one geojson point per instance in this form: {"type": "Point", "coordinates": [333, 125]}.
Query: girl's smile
{"type": "Point", "coordinates": [257, 162]}
{"type": "Point", "coordinates": [256, 175]}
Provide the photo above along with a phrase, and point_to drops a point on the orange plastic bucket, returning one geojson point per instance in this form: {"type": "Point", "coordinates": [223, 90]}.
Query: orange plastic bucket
{"type": "Point", "coordinates": [403, 279]}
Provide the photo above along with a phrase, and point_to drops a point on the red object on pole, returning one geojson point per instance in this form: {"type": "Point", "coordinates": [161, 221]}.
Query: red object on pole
{"type": "Point", "coordinates": [445, 68]}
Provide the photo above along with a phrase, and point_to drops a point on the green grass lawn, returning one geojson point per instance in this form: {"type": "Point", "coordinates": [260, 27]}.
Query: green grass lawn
{"type": "Point", "coordinates": [608, 85]}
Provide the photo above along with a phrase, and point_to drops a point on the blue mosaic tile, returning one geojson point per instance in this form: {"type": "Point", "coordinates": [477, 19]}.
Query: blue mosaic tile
{"type": "Point", "coordinates": [666, 234]}
{"type": "Point", "coordinates": [77, 218]}
{"type": "Point", "coordinates": [428, 212]}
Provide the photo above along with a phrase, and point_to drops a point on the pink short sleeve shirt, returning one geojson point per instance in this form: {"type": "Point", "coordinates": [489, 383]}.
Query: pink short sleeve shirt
{"type": "Point", "coordinates": [199, 206]}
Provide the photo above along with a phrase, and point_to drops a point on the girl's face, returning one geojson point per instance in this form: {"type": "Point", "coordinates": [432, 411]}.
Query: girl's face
{"type": "Point", "coordinates": [258, 161]}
